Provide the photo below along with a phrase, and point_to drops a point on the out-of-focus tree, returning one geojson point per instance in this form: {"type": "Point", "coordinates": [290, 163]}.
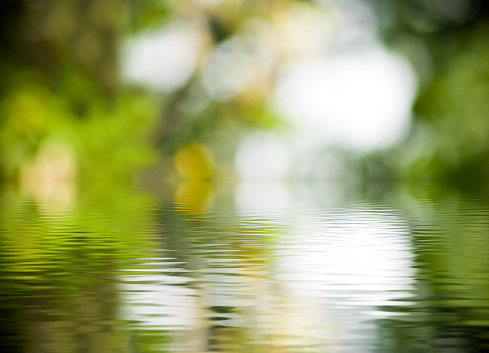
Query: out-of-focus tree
{"type": "Point", "coordinates": [448, 46]}
{"type": "Point", "coordinates": [66, 113]}
{"type": "Point", "coordinates": [238, 48]}
{"type": "Point", "coordinates": [63, 111]}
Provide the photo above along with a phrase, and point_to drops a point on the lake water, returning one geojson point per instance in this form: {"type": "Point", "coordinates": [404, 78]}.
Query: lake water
{"type": "Point", "coordinates": [260, 267]}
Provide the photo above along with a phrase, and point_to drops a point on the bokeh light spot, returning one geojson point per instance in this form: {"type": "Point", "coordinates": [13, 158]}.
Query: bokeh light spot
{"type": "Point", "coordinates": [194, 161]}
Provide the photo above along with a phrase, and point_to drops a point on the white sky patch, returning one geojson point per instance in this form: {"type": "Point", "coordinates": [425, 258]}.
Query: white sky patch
{"type": "Point", "coordinates": [359, 100]}
{"type": "Point", "coordinates": [228, 70]}
{"type": "Point", "coordinates": [243, 62]}
{"type": "Point", "coordinates": [262, 156]}
{"type": "Point", "coordinates": [162, 59]}
{"type": "Point", "coordinates": [342, 91]}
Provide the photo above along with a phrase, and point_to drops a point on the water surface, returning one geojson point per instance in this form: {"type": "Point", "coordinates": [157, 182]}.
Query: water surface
{"type": "Point", "coordinates": [262, 267]}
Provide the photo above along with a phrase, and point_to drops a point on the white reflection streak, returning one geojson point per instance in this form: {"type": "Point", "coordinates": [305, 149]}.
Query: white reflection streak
{"type": "Point", "coordinates": [333, 267]}
{"type": "Point", "coordinates": [345, 267]}
{"type": "Point", "coordinates": [155, 302]}
{"type": "Point", "coordinates": [364, 253]}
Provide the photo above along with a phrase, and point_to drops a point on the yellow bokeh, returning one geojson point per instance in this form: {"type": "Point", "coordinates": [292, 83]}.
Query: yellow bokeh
{"type": "Point", "coordinates": [194, 161]}
{"type": "Point", "coordinates": [194, 195]}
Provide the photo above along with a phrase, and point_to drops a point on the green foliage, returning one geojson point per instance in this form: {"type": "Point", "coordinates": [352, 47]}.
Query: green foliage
{"type": "Point", "coordinates": [62, 91]}
{"type": "Point", "coordinates": [452, 115]}
{"type": "Point", "coordinates": [147, 14]}
{"type": "Point", "coordinates": [104, 138]}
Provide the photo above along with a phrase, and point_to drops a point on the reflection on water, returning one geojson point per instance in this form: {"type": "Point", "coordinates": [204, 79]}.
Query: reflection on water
{"type": "Point", "coordinates": [263, 268]}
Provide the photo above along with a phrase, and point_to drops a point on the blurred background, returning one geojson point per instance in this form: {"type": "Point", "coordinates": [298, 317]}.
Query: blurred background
{"type": "Point", "coordinates": [224, 90]}
{"type": "Point", "coordinates": [148, 153]}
